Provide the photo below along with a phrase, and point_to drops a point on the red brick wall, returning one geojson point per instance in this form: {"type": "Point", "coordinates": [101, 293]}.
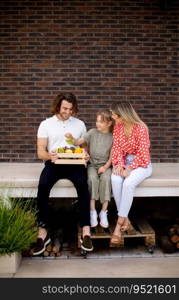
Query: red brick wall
{"type": "Point", "coordinates": [101, 50]}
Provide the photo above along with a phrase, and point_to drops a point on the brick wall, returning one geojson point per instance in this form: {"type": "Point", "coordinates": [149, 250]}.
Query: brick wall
{"type": "Point", "coordinates": [101, 50]}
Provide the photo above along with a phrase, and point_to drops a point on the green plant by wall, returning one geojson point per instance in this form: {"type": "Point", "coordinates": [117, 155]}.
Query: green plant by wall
{"type": "Point", "coordinates": [17, 226]}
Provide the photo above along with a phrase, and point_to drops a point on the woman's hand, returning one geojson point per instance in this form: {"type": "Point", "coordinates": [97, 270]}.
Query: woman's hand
{"type": "Point", "coordinates": [126, 172]}
{"type": "Point", "coordinates": [53, 155]}
{"type": "Point", "coordinates": [101, 170]}
{"type": "Point", "coordinates": [117, 170]}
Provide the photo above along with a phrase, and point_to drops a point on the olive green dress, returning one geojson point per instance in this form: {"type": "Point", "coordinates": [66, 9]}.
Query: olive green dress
{"type": "Point", "coordinates": [99, 146]}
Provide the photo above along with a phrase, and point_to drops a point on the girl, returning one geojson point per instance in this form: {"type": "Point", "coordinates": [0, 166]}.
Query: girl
{"type": "Point", "coordinates": [99, 141]}
{"type": "Point", "coordinates": [130, 160]}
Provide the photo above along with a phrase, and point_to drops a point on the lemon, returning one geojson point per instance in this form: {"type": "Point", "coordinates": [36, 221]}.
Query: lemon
{"type": "Point", "coordinates": [78, 150]}
{"type": "Point", "coordinates": [68, 151]}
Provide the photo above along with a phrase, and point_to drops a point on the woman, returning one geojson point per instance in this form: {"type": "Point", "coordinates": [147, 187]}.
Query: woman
{"type": "Point", "coordinates": [130, 160]}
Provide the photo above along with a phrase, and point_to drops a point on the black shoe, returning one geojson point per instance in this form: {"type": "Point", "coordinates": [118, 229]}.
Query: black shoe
{"type": "Point", "coordinates": [86, 243]}
{"type": "Point", "coordinates": [41, 245]}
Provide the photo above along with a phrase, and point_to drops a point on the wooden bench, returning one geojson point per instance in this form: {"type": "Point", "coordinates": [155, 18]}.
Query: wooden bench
{"type": "Point", "coordinates": [21, 180]}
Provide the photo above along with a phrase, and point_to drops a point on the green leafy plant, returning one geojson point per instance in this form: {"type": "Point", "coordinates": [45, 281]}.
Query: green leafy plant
{"type": "Point", "coordinates": [17, 226]}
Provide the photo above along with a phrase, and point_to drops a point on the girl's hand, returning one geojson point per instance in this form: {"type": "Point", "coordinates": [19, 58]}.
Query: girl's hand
{"type": "Point", "coordinates": [117, 170]}
{"type": "Point", "coordinates": [53, 155]}
{"type": "Point", "coordinates": [68, 135]}
{"type": "Point", "coordinates": [101, 170]}
{"type": "Point", "coordinates": [70, 139]}
{"type": "Point", "coordinates": [126, 172]}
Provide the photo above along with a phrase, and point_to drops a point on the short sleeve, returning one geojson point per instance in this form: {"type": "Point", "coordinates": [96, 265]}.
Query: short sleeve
{"type": "Point", "coordinates": [87, 136]}
{"type": "Point", "coordinates": [42, 131]}
{"type": "Point", "coordinates": [83, 129]}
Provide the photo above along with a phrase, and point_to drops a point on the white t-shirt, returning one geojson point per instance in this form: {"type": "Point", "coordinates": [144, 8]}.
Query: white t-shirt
{"type": "Point", "coordinates": [54, 130]}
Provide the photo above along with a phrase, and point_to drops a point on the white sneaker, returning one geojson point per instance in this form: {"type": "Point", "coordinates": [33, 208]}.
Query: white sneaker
{"type": "Point", "coordinates": [93, 218]}
{"type": "Point", "coordinates": [103, 219]}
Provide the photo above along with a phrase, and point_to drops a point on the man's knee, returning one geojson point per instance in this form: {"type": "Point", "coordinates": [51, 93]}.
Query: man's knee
{"type": "Point", "coordinates": [44, 186]}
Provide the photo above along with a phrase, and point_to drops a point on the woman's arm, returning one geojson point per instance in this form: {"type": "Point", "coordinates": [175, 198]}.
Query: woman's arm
{"type": "Point", "coordinates": [142, 157]}
{"type": "Point", "coordinates": [117, 153]}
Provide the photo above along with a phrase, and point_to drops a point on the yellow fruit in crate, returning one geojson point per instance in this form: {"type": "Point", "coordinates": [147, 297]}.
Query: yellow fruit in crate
{"type": "Point", "coordinates": [68, 151]}
{"type": "Point", "coordinates": [78, 150]}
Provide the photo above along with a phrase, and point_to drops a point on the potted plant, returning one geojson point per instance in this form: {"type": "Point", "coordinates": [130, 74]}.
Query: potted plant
{"type": "Point", "coordinates": [17, 232]}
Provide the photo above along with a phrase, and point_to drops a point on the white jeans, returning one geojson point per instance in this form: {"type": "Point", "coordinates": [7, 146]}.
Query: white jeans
{"type": "Point", "coordinates": [123, 187]}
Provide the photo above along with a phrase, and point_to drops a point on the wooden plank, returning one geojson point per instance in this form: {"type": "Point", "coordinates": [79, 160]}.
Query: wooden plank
{"type": "Point", "coordinates": [144, 227]}
{"type": "Point", "coordinates": [70, 161]}
{"type": "Point", "coordinates": [71, 155]}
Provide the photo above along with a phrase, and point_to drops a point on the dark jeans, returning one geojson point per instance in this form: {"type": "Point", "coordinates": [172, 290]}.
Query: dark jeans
{"type": "Point", "coordinates": [51, 173]}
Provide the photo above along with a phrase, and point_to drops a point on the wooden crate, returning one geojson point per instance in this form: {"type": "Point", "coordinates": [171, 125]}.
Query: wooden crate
{"type": "Point", "coordinates": [71, 158]}
{"type": "Point", "coordinates": [141, 229]}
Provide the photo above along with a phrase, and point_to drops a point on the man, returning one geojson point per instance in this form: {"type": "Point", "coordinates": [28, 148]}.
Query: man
{"type": "Point", "coordinates": [50, 136]}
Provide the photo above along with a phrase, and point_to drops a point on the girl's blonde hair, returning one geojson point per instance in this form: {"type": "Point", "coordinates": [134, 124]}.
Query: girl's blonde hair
{"type": "Point", "coordinates": [126, 111]}
{"type": "Point", "coordinates": [106, 117]}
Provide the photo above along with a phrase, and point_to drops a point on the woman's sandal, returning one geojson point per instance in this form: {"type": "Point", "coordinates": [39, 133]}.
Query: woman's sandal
{"type": "Point", "coordinates": [116, 242]}
{"type": "Point", "coordinates": [116, 238]}
{"type": "Point", "coordinates": [126, 225]}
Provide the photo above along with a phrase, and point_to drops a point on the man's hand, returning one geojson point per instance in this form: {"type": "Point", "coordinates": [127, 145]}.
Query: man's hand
{"type": "Point", "coordinates": [101, 170]}
{"type": "Point", "coordinates": [53, 155]}
{"type": "Point", "coordinates": [87, 157]}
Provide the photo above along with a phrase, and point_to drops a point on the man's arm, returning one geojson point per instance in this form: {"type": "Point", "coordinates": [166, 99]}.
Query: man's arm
{"type": "Point", "coordinates": [42, 149]}
{"type": "Point", "coordinates": [42, 152]}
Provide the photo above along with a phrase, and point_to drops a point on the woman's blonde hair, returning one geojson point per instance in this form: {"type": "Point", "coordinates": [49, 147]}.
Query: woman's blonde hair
{"type": "Point", "coordinates": [106, 117]}
{"type": "Point", "coordinates": [126, 111]}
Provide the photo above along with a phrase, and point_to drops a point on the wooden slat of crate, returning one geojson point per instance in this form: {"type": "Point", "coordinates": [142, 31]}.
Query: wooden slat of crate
{"type": "Point", "coordinates": [68, 161]}
{"type": "Point", "coordinates": [100, 233]}
{"type": "Point", "coordinates": [71, 155]}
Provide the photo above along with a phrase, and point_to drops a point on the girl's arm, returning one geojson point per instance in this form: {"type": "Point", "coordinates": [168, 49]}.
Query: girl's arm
{"type": "Point", "coordinates": [74, 141]}
{"type": "Point", "coordinates": [107, 164]}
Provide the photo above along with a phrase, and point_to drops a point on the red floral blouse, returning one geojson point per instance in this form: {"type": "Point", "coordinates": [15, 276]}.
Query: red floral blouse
{"type": "Point", "coordinates": [136, 143]}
